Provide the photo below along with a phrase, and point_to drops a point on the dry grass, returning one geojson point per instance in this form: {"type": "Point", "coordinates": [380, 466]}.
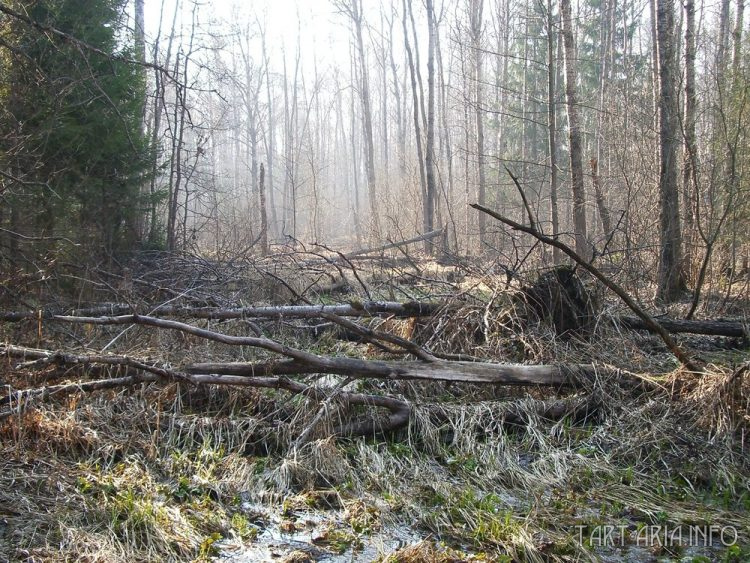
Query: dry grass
{"type": "Point", "coordinates": [166, 473]}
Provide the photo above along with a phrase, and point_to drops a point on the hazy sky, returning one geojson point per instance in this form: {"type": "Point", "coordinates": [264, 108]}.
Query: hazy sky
{"type": "Point", "coordinates": [323, 33]}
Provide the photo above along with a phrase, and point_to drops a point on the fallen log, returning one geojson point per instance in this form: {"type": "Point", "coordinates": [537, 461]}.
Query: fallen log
{"type": "Point", "coordinates": [137, 371]}
{"type": "Point", "coordinates": [302, 361]}
{"type": "Point", "coordinates": [710, 327]}
{"type": "Point", "coordinates": [353, 309]}
{"type": "Point", "coordinates": [731, 328]}
{"type": "Point", "coordinates": [389, 246]}
{"type": "Point", "coordinates": [563, 375]}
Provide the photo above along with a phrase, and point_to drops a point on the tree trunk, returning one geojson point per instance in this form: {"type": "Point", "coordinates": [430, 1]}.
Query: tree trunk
{"type": "Point", "coordinates": [604, 61]}
{"type": "Point", "coordinates": [552, 127]}
{"type": "Point", "coordinates": [263, 213]}
{"type": "Point", "coordinates": [356, 10]}
{"type": "Point", "coordinates": [176, 169]}
{"type": "Point", "coordinates": [723, 46]}
{"type": "Point", "coordinates": [690, 171]}
{"type": "Point", "coordinates": [574, 133]}
{"type": "Point", "coordinates": [429, 203]}
{"type": "Point", "coordinates": [397, 95]}
{"type": "Point", "coordinates": [477, 6]}
{"type": "Point", "coordinates": [355, 163]}
{"type": "Point", "coordinates": [670, 277]}
{"type": "Point", "coordinates": [737, 38]}
{"type": "Point", "coordinates": [415, 91]}
{"type": "Point", "coordinates": [270, 140]}
{"type": "Point", "coordinates": [601, 204]}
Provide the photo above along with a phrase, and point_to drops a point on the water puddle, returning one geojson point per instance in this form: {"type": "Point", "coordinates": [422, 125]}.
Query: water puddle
{"type": "Point", "coordinates": [312, 535]}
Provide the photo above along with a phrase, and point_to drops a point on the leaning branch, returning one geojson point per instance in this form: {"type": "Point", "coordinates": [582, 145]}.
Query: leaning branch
{"type": "Point", "coordinates": [647, 320]}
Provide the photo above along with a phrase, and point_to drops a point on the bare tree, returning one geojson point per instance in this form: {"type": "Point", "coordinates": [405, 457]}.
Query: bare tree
{"type": "Point", "coordinates": [690, 166]}
{"type": "Point", "coordinates": [416, 91]}
{"type": "Point", "coordinates": [604, 79]}
{"type": "Point", "coordinates": [475, 24]}
{"type": "Point", "coordinates": [671, 281]}
{"type": "Point", "coordinates": [139, 32]}
{"type": "Point", "coordinates": [737, 37]}
{"type": "Point", "coordinates": [353, 9]}
{"type": "Point", "coordinates": [429, 203]}
{"type": "Point", "coordinates": [574, 132]}
{"type": "Point", "coordinates": [552, 127]}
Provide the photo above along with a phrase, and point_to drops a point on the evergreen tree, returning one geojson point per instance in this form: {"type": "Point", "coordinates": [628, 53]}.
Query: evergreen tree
{"type": "Point", "coordinates": [71, 137]}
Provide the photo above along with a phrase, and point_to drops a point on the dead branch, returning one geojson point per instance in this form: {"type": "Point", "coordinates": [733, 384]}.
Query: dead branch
{"type": "Point", "coordinates": [383, 248]}
{"type": "Point", "coordinates": [647, 320]}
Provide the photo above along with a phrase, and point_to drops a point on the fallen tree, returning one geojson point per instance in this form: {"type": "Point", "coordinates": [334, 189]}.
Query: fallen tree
{"type": "Point", "coordinates": [351, 309]}
{"type": "Point", "coordinates": [274, 373]}
{"type": "Point", "coordinates": [409, 309]}
{"type": "Point", "coordinates": [682, 356]}
{"type": "Point", "coordinates": [303, 362]}
{"type": "Point", "coordinates": [138, 371]}
{"type": "Point", "coordinates": [709, 327]}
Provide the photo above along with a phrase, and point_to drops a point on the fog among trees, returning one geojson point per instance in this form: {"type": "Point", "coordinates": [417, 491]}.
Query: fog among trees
{"type": "Point", "coordinates": [374, 280]}
{"type": "Point", "coordinates": [378, 121]}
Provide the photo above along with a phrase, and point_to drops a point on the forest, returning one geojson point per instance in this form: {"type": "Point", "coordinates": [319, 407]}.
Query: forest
{"type": "Point", "coordinates": [374, 280]}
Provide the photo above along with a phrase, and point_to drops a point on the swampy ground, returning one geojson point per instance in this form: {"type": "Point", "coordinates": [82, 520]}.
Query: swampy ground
{"type": "Point", "coordinates": [173, 472]}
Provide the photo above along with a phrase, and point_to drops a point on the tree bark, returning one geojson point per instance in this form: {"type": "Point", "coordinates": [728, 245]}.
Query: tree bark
{"type": "Point", "coordinates": [263, 213]}
{"type": "Point", "coordinates": [552, 128]}
{"type": "Point", "coordinates": [439, 370]}
{"type": "Point", "coordinates": [429, 203]}
{"type": "Point", "coordinates": [356, 15]}
{"type": "Point", "coordinates": [601, 204]}
{"type": "Point", "coordinates": [737, 38]}
{"type": "Point", "coordinates": [690, 162]}
{"type": "Point", "coordinates": [574, 133]}
{"type": "Point", "coordinates": [475, 16]}
{"type": "Point", "coordinates": [671, 281]}
{"type": "Point", "coordinates": [415, 93]}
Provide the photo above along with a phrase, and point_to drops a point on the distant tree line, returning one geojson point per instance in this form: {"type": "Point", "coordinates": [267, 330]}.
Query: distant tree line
{"type": "Point", "coordinates": [624, 121]}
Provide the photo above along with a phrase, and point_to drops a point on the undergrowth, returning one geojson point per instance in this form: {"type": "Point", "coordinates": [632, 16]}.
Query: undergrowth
{"type": "Point", "coordinates": [164, 472]}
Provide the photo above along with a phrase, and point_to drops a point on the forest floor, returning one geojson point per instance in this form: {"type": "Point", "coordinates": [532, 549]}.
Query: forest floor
{"type": "Point", "coordinates": [479, 473]}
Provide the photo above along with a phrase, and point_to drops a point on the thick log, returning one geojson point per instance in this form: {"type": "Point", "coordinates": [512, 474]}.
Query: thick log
{"type": "Point", "coordinates": [353, 309]}
{"type": "Point", "coordinates": [301, 361]}
{"type": "Point", "coordinates": [732, 328]}
{"type": "Point", "coordinates": [709, 327]}
{"type": "Point", "coordinates": [569, 375]}
{"type": "Point", "coordinates": [142, 372]}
